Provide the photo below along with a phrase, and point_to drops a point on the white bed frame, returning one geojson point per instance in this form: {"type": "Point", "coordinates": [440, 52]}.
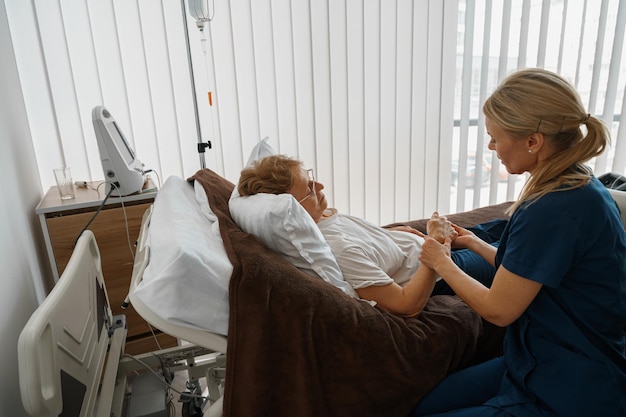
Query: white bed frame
{"type": "Point", "coordinates": [71, 351]}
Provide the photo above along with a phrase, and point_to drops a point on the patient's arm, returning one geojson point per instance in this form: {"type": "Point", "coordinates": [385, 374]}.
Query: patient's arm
{"type": "Point", "coordinates": [411, 299]}
{"type": "Point", "coordinates": [405, 301]}
{"type": "Point", "coordinates": [408, 229]}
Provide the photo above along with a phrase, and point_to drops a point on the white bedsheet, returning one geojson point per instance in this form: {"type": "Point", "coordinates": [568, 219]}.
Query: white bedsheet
{"type": "Point", "coordinates": [186, 281]}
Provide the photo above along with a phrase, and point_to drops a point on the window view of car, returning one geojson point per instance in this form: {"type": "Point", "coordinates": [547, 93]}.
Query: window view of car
{"type": "Point", "coordinates": [485, 171]}
{"type": "Point", "coordinates": [468, 178]}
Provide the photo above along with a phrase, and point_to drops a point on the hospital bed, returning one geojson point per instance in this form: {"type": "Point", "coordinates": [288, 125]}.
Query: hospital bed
{"type": "Point", "coordinates": [296, 345]}
{"type": "Point", "coordinates": [71, 351]}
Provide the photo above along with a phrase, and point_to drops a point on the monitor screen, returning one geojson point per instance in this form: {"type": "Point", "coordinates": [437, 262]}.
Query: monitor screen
{"type": "Point", "coordinates": [122, 145]}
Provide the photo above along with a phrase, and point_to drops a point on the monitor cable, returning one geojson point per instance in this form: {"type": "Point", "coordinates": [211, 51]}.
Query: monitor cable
{"type": "Point", "coordinates": [95, 214]}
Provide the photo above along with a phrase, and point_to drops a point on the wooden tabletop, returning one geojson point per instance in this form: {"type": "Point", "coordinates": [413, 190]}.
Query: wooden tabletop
{"type": "Point", "coordinates": [90, 196]}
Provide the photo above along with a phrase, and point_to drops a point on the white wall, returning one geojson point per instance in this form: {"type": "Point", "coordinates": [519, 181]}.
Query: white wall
{"type": "Point", "coordinates": [21, 256]}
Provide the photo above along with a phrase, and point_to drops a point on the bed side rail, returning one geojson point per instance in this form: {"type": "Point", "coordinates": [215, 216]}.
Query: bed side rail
{"type": "Point", "coordinates": [63, 346]}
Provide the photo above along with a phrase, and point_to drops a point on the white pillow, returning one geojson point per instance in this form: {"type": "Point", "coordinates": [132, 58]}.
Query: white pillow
{"type": "Point", "coordinates": [260, 150]}
{"type": "Point", "coordinates": [284, 226]}
{"type": "Point", "coordinates": [186, 281]}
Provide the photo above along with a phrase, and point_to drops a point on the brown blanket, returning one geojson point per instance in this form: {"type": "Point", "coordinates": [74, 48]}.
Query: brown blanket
{"type": "Point", "coordinates": [299, 347]}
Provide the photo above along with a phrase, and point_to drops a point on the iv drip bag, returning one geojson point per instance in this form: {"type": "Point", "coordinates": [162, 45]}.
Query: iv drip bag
{"type": "Point", "coordinates": [199, 9]}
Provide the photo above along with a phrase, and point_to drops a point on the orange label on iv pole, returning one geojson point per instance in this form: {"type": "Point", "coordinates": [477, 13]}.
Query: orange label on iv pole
{"type": "Point", "coordinates": [210, 98]}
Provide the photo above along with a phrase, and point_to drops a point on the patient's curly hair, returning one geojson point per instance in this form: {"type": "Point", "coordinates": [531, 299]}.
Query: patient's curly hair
{"type": "Point", "coordinates": [272, 175]}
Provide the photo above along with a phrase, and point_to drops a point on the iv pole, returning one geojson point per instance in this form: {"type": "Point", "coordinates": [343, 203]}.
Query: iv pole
{"type": "Point", "coordinates": [201, 145]}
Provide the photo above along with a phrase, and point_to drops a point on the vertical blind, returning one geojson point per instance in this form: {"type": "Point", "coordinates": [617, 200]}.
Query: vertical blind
{"type": "Point", "coordinates": [361, 91]}
{"type": "Point", "coordinates": [579, 39]}
{"type": "Point", "coordinates": [381, 97]}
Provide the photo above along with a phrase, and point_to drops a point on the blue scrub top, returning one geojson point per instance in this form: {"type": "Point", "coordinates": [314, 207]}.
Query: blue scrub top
{"type": "Point", "coordinates": [565, 354]}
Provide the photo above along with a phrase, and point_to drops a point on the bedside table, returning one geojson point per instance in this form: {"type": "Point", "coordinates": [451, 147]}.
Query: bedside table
{"type": "Point", "coordinates": [114, 227]}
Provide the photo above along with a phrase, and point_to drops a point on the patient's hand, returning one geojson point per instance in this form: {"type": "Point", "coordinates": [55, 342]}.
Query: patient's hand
{"type": "Point", "coordinates": [439, 228]}
{"type": "Point", "coordinates": [407, 229]}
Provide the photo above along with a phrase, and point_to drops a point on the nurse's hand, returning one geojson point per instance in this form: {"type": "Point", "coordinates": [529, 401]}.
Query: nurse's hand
{"type": "Point", "coordinates": [434, 254]}
{"type": "Point", "coordinates": [464, 237]}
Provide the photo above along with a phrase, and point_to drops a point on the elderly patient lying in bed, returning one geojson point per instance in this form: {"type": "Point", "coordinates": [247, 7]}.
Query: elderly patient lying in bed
{"type": "Point", "coordinates": [376, 264]}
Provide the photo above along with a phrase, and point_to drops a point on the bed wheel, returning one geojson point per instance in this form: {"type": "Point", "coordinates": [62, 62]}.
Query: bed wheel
{"type": "Point", "coordinates": [191, 409]}
{"type": "Point", "coordinates": [192, 400]}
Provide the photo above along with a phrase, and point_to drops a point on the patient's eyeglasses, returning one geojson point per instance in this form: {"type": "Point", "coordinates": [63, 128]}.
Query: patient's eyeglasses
{"type": "Point", "coordinates": [312, 187]}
